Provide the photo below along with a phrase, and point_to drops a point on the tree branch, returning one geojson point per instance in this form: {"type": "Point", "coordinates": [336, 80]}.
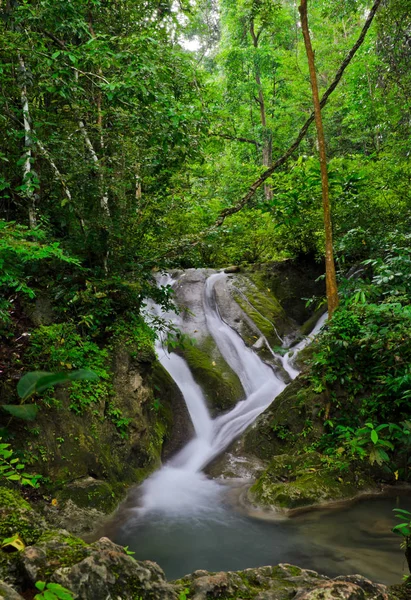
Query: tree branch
{"type": "Point", "coordinates": [280, 161]}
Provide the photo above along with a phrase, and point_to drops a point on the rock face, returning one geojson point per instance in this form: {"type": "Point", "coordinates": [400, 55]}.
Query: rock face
{"type": "Point", "coordinates": [90, 457]}
{"type": "Point", "coordinates": [282, 582]}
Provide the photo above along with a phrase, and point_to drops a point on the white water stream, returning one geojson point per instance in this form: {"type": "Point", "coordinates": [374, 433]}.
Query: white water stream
{"type": "Point", "coordinates": [180, 518]}
{"type": "Point", "coordinates": [180, 486]}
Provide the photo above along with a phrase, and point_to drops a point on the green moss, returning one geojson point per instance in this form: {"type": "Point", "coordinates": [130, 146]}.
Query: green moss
{"type": "Point", "coordinates": [27, 524]}
{"type": "Point", "coordinates": [294, 571]}
{"type": "Point", "coordinates": [261, 306]}
{"type": "Point", "coordinates": [218, 381]}
{"type": "Point", "coordinates": [294, 481]}
{"type": "Point", "coordinates": [98, 495]}
{"type": "Point", "coordinates": [62, 550]}
{"type": "Point", "coordinates": [290, 424]}
{"type": "Point", "coordinates": [11, 499]}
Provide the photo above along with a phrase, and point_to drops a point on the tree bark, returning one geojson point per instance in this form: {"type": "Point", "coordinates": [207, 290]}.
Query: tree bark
{"type": "Point", "coordinates": [267, 141]}
{"type": "Point", "coordinates": [232, 210]}
{"type": "Point", "coordinates": [330, 277]}
{"type": "Point", "coordinates": [27, 173]}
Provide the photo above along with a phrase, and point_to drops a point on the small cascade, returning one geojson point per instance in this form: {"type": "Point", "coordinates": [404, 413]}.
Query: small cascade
{"type": "Point", "coordinates": [288, 359]}
{"type": "Point", "coordinates": [180, 486]}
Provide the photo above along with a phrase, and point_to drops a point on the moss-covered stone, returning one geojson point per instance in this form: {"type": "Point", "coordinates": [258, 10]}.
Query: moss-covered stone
{"type": "Point", "coordinates": [169, 400]}
{"type": "Point", "coordinates": [61, 550]}
{"type": "Point", "coordinates": [291, 282]}
{"type": "Point", "coordinates": [10, 499]}
{"type": "Point", "coordinates": [218, 381]}
{"type": "Point", "coordinates": [289, 424]}
{"type": "Point", "coordinates": [17, 517]}
{"type": "Point", "coordinates": [296, 481]}
{"type": "Point", "coordinates": [90, 493]}
{"type": "Point", "coordinates": [263, 308]}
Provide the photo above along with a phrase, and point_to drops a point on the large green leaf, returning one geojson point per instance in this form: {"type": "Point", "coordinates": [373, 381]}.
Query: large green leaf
{"type": "Point", "coordinates": [82, 374]}
{"type": "Point", "coordinates": [27, 384]}
{"type": "Point", "coordinates": [28, 412]}
{"type": "Point", "coordinates": [39, 381]}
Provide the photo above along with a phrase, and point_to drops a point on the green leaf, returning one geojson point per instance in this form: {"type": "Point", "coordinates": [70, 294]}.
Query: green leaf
{"type": "Point", "coordinates": [82, 374]}
{"type": "Point", "coordinates": [39, 381]}
{"type": "Point", "coordinates": [27, 384]}
{"type": "Point", "coordinates": [403, 511]}
{"type": "Point", "coordinates": [40, 585]}
{"type": "Point", "coordinates": [28, 412]}
{"type": "Point", "coordinates": [374, 436]}
{"type": "Point", "coordinates": [61, 592]}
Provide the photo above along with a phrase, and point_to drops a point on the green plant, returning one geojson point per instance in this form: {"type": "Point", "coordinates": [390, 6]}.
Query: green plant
{"type": "Point", "coordinates": [367, 442]}
{"type": "Point", "coordinates": [12, 469]}
{"type": "Point", "coordinates": [183, 594]}
{"type": "Point", "coordinates": [52, 591]}
{"type": "Point", "coordinates": [404, 529]}
{"type": "Point", "coordinates": [37, 382]}
{"type": "Point", "coordinates": [128, 552]}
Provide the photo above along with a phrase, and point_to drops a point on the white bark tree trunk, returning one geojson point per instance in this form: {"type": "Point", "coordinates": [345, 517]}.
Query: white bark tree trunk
{"type": "Point", "coordinates": [27, 171]}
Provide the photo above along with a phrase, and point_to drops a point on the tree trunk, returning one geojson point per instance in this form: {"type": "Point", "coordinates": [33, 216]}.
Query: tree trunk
{"type": "Point", "coordinates": [267, 141]}
{"type": "Point", "coordinates": [331, 280]}
{"type": "Point", "coordinates": [27, 174]}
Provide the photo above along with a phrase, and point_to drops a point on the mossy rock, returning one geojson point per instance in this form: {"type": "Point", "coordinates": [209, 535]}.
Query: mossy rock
{"type": "Point", "coordinates": [218, 381]}
{"type": "Point", "coordinates": [11, 499]}
{"type": "Point", "coordinates": [17, 517]}
{"type": "Point", "coordinates": [62, 549]}
{"type": "Point", "coordinates": [90, 493]}
{"type": "Point", "coordinates": [296, 481]}
{"type": "Point", "coordinates": [9, 568]}
{"type": "Point", "coordinates": [174, 412]}
{"type": "Point", "coordinates": [261, 305]}
{"type": "Point", "coordinates": [291, 282]}
{"type": "Point", "coordinates": [289, 424]}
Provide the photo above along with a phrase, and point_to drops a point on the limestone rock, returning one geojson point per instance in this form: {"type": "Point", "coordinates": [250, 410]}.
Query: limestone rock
{"type": "Point", "coordinates": [109, 572]}
{"type": "Point", "coordinates": [283, 582]}
{"type": "Point", "coordinates": [8, 593]}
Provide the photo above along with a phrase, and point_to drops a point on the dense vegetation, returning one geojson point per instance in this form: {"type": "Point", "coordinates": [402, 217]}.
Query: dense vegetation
{"type": "Point", "coordinates": [124, 151]}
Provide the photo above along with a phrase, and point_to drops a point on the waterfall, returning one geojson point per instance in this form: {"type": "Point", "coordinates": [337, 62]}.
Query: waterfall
{"type": "Point", "coordinates": [180, 486]}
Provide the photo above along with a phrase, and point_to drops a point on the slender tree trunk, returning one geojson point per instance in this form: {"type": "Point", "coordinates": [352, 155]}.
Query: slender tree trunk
{"type": "Point", "coordinates": [267, 141]}
{"type": "Point", "coordinates": [27, 173]}
{"type": "Point", "coordinates": [331, 280]}
{"type": "Point", "coordinates": [104, 192]}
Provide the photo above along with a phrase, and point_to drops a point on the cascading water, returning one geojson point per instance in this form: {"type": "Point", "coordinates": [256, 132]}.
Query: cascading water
{"type": "Point", "coordinates": [179, 517]}
{"type": "Point", "coordinates": [180, 485]}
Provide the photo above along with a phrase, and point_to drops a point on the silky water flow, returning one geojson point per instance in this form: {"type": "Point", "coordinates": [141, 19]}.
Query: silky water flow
{"type": "Point", "coordinates": [182, 519]}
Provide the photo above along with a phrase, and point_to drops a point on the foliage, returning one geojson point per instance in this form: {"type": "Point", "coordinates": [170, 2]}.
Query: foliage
{"type": "Point", "coordinates": [12, 469]}
{"type": "Point", "coordinates": [362, 361]}
{"type": "Point", "coordinates": [403, 529]}
{"type": "Point", "coordinates": [52, 591]}
{"type": "Point", "coordinates": [25, 256]}
{"type": "Point", "coordinates": [61, 346]}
